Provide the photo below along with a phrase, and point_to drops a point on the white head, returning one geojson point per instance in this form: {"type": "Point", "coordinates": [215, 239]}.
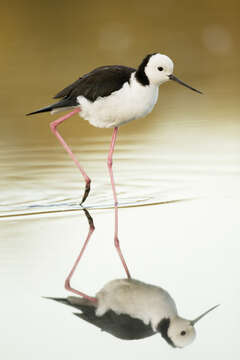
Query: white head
{"type": "Point", "coordinates": [179, 332]}
{"type": "Point", "coordinates": [157, 69]}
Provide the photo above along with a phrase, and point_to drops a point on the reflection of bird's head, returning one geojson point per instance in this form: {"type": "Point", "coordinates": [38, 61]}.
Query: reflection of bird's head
{"type": "Point", "coordinates": [179, 332]}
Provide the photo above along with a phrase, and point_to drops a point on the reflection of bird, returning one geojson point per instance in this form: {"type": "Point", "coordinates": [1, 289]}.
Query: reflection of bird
{"type": "Point", "coordinates": [108, 97]}
{"type": "Point", "coordinates": [130, 309]}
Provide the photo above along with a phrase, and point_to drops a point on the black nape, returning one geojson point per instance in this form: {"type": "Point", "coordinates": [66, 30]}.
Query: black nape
{"type": "Point", "coordinates": [163, 329]}
{"type": "Point", "coordinates": [140, 73]}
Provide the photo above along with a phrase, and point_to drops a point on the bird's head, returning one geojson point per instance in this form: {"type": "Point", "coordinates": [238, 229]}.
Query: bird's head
{"type": "Point", "coordinates": [179, 332]}
{"type": "Point", "coordinates": [157, 69]}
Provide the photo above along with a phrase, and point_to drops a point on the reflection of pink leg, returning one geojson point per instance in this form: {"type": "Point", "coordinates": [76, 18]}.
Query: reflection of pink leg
{"type": "Point", "coordinates": [67, 281]}
{"type": "Point", "coordinates": [116, 241]}
{"type": "Point", "coordinates": [53, 126]}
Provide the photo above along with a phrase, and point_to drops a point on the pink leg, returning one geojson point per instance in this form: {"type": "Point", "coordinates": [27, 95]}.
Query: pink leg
{"type": "Point", "coordinates": [116, 241]}
{"type": "Point", "coordinates": [53, 126]}
{"type": "Point", "coordinates": [67, 281]}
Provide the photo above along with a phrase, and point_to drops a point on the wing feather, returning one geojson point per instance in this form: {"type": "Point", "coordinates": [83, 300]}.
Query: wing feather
{"type": "Point", "coordinates": [100, 82]}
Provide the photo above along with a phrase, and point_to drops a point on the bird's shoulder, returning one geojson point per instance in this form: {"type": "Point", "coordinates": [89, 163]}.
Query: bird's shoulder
{"type": "Point", "coordinates": [100, 82]}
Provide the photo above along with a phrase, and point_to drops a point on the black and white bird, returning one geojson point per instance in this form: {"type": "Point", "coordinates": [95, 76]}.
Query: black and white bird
{"type": "Point", "coordinates": [109, 97]}
{"type": "Point", "coordinates": [130, 309]}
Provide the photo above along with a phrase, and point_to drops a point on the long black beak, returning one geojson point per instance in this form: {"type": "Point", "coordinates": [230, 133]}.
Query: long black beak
{"type": "Point", "coordinates": [173, 77]}
{"type": "Point", "coordinates": [192, 322]}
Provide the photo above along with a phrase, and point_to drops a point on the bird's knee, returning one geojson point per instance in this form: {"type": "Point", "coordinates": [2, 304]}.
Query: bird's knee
{"type": "Point", "coordinates": [67, 284]}
{"type": "Point", "coordinates": [52, 126]}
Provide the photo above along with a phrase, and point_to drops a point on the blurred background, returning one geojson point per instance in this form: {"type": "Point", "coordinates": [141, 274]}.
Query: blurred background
{"type": "Point", "coordinates": [181, 164]}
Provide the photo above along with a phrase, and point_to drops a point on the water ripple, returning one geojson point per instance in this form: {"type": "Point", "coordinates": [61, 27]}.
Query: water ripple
{"type": "Point", "coordinates": [41, 179]}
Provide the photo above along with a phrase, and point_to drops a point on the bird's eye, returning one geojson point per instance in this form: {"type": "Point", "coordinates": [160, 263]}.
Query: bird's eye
{"type": "Point", "coordinates": [160, 68]}
{"type": "Point", "coordinates": [183, 333]}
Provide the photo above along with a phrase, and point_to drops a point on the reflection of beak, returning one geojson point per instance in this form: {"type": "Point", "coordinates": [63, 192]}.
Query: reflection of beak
{"type": "Point", "coordinates": [192, 322]}
{"type": "Point", "coordinates": [173, 77]}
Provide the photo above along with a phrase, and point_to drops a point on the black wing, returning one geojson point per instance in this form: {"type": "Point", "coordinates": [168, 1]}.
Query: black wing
{"type": "Point", "coordinates": [121, 326]}
{"type": "Point", "coordinates": [100, 82]}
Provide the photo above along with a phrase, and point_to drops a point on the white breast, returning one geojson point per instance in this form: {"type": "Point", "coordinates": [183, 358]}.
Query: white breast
{"type": "Point", "coordinates": [132, 101]}
{"type": "Point", "coordinates": [142, 301]}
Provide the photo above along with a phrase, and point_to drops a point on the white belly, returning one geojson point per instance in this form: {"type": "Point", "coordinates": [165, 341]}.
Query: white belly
{"type": "Point", "coordinates": [129, 103]}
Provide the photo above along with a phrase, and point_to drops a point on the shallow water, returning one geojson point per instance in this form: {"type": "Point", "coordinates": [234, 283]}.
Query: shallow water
{"type": "Point", "coordinates": [170, 165]}
{"type": "Point", "coordinates": [177, 174]}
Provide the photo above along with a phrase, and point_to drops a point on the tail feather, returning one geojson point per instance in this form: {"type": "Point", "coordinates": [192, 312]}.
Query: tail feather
{"type": "Point", "coordinates": [61, 300]}
{"type": "Point", "coordinates": [61, 105]}
{"type": "Point", "coordinates": [45, 109]}
{"type": "Point", "coordinates": [74, 301]}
